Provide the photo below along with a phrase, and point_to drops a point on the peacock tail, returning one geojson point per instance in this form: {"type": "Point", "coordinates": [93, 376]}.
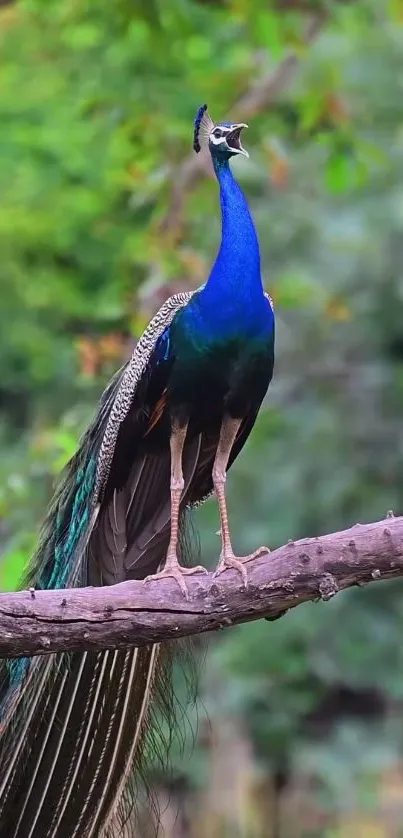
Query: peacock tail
{"type": "Point", "coordinates": [72, 725]}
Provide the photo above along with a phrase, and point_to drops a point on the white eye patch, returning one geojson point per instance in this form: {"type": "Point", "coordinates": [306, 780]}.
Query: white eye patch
{"type": "Point", "coordinates": [217, 140]}
{"type": "Point", "coordinates": [219, 135]}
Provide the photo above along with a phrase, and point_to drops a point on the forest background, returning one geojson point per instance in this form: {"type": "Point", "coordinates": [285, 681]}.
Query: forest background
{"type": "Point", "coordinates": [104, 213]}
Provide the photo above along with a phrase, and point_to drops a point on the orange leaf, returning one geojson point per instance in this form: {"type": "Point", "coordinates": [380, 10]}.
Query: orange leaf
{"type": "Point", "coordinates": [279, 164]}
{"type": "Point", "coordinates": [336, 108]}
{"type": "Point", "coordinates": [337, 310]}
{"type": "Point", "coordinates": [88, 356]}
{"type": "Point", "coordinates": [111, 346]}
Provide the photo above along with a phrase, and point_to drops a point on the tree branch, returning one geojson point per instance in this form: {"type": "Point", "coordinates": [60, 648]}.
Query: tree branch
{"type": "Point", "coordinates": [253, 101]}
{"type": "Point", "coordinates": [134, 613]}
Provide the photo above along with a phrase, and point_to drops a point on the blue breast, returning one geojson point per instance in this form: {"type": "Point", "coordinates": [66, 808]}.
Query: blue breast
{"type": "Point", "coordinates": [211, 318]}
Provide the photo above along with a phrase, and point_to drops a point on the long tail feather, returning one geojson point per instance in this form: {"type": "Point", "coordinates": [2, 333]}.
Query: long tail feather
{"type": "Point", "coordinates": [76, 729]}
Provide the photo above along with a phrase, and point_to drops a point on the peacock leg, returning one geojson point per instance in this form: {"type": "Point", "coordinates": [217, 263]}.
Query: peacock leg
{"type": "Point", "coordinates": [172, 568]}
{"type": "Point", "coordinates": [229, 430]}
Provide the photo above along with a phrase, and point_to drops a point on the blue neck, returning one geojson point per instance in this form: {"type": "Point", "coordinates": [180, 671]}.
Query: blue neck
{"type": "Point", "coordinates": [236, 271]}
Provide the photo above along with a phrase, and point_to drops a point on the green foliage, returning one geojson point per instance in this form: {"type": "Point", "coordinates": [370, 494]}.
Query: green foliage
{"type": "Point", "coordinates": [96, 109]}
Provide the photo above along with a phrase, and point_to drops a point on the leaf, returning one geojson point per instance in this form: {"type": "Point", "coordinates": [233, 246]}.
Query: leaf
{"type": "Point", "coordinates": [339, 172]}
{"type": "Point", "coordinates": [11, 569]}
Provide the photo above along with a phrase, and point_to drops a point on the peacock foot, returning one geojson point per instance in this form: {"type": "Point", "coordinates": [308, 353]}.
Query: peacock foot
{"type": "Point", "coordinates": [172, 569]}
{"type": "Point", "coordinates": [228, 560]}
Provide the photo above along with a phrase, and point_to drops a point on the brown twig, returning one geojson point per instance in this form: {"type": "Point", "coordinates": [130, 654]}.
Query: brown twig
{"type": "Point", "coordinates": [253, 101]}
{"type": "Point", "coordinates": [134, 613]}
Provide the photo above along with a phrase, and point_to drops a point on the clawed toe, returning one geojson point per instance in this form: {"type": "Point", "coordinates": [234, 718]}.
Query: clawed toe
{"type": "Point", "coordinates": [188, 571]}
{"type": "Point", "coordinates": [174, 570]}
{"type": "Point", "coordinates": [229, 560]}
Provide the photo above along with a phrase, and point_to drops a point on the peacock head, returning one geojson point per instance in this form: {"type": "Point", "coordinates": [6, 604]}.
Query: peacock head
{"type": "Point", "coordinates": [222, 138]}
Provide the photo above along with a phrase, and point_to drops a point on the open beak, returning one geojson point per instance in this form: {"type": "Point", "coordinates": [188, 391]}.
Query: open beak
{"type": "Point", "coordinates": [234, 139]}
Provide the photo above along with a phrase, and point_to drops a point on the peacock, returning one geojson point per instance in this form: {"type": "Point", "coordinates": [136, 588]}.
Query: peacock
{"type": "Point", "coordinates": [74, 727]}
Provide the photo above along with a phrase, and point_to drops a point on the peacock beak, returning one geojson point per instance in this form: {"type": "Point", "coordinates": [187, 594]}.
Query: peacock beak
{"type": "Point", "coordinates": [234, 139]}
